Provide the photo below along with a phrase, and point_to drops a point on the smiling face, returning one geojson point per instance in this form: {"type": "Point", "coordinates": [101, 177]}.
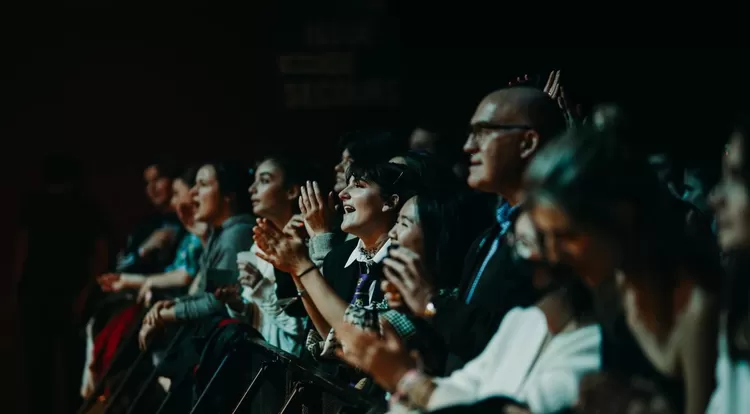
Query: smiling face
{"type": "Point", "coordinates": [407, 231]}
{"type": "Point", "coordinates": [366, 212]}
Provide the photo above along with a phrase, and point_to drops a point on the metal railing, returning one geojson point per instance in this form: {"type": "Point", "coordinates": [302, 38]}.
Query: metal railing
{"type": "Point", "coordinates": [274, 382]}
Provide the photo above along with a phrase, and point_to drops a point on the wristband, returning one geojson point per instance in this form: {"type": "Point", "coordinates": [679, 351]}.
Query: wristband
{"type": "Point", "coordinates": [308, 270]}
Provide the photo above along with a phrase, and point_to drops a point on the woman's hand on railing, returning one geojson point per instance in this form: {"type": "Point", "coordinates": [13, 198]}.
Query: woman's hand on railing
{"type": "Point", "coordinates": [319, 213]}
{"type": "Point", "coordinates": [385, 358]}
{"type": "Point", "coordinates": [407, 281]}
{"type": "Point", "coordinates": [152, 316]}
{"type": "Point", "coordinates": [286, 251]}
{"type": "Point", "coordinates": [147, 333]}
{"type": "Point", "coordinates": [115, 282]}
{"type": "Point", "coordinates": [145, 294]}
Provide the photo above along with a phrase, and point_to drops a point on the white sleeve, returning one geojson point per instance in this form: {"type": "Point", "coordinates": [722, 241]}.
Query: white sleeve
{"type": "Point", "coordinates": [264, 297]}
{"type": "Point", "coordinates": [463, 386]}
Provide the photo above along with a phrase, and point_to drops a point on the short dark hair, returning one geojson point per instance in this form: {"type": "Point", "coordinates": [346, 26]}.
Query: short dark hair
{"type": "Point", "coordinates": [188, 176]}
{"type": "Point", "coordinates": [393, 179]}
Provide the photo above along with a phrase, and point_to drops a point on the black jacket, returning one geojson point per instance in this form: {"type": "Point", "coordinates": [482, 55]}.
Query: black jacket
{"type": "Point", "coordinates": [468, 328]}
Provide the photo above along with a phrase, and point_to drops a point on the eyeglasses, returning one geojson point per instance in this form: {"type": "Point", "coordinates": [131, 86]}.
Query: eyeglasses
{"type": "Point", "coordinates": [480, 131]}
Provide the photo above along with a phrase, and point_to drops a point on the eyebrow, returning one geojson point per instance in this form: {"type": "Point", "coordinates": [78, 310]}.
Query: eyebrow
{"type": "Point", "coordinates": [407, 218]}
{"type": "Point", "coordinates": [265, 174]}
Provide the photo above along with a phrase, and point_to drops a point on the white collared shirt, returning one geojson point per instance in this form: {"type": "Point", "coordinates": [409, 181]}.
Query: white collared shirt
{"type": "Point", "coordinates": [358, 256]}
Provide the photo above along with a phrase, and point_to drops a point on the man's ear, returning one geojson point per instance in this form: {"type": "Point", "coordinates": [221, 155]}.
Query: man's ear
{"type": "Point", "coordinates": [390, 203]}
{"type": "Point", "coordinates": [529, 144]}
{"type": "Point", "coordinates": [293, 193]}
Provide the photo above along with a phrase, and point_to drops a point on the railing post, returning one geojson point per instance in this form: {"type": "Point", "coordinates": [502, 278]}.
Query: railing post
{"type": "Point", "coordinates": [254, 386]}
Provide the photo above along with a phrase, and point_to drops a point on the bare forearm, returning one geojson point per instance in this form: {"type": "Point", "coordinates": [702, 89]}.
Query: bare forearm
{"type": "Point", "coordinates": [320, 323]}
{"type": "Point", "coordinates": [167, 315]}
{"type": "Point", "coordinates": [325, 299]}
{"type": "Point", "coordinates": [175, 278]}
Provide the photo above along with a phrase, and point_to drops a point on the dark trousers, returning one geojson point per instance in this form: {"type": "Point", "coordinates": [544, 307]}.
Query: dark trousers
{"type": "Point", "coordinates": [53, 354]}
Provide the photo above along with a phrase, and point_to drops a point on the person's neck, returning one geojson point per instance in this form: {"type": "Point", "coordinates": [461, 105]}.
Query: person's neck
{"type": "Point", "coordinates": [375, 241]}
{"type": "Point", "coordinates": [511, 197]}
{"type": "Point", "coordinates": [561, 313]}
{"type": "Point", "coordinates": [221, 219]}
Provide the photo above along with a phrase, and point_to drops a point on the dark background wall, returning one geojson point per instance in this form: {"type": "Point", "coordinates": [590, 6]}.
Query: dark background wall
{"type": "Point", "coordinates": [119, 87]}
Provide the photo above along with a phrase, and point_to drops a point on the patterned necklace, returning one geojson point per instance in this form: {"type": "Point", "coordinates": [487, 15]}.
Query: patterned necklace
{"type": "Point", "coordinates": [369, 253]}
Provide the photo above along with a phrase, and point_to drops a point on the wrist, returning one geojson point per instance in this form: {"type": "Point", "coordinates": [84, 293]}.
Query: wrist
{"type": "Point", "coordinates": [302, 267]}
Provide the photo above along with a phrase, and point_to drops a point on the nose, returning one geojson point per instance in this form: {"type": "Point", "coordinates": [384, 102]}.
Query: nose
{"type": "Point", "coordinates": [344, 194]}
{"type": "Point", "coordinates": [470, 146]}
{"type": "Point", "coordinates": [551, 253]}
{"type": "Point", "coordinates": [393, 234]}
{"type": "Point", "coordinates": [251, 189]}
{"type": "Point", "coordinates": [339, 167]}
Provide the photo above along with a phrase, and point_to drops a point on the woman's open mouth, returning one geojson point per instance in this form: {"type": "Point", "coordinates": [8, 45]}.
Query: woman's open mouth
{"type": "Point", "coordinates": [348, 209]}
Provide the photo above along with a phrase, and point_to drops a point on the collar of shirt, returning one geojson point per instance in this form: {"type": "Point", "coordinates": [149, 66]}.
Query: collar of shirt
{"type": "Point", "coordinates": [358, 256]}
{"type": "Point", "coordinates": [503, 214]}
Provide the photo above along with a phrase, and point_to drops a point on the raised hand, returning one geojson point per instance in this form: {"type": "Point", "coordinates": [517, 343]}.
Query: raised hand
{"type": "Point", "coordinates": [285, 251]}
{"type": "Point", "coordinates": [111, 282]}
{"type": "Point", "coordinates": [552, 87]}
{"type": "Point", "coordinates": [385, 358]}
{"type": "Point", "coordinates": [405, 271]}
{"type": "Point", "coordinates": [296, 223]}
{"type": "Point", "coordinates": [319, 213]}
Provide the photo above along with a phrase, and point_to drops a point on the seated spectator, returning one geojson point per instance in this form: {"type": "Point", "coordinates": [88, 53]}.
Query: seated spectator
{"type": "Point", "coordinates": [537, 357]}
{"type": "Point", "coordinates": [629, 230]}
{"type": "Point", "coordinates": [274, 196]}
{"type": "Point", "coordinates": [150, 246]}
{"type": "Point", "coordinates": [184, 267]}
{"type": "Point", "coordinates": [323, 219]}
{"type": "Point", "coordinates": [730, 201]}
{"type": "Point", "coordinates": [221, 200]}
{"type": "Point", "coordinates": [352, 272]}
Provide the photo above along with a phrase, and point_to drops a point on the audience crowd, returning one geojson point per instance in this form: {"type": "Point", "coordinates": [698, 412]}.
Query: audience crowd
{"type": "Point", "coordinates": [553, 268]}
